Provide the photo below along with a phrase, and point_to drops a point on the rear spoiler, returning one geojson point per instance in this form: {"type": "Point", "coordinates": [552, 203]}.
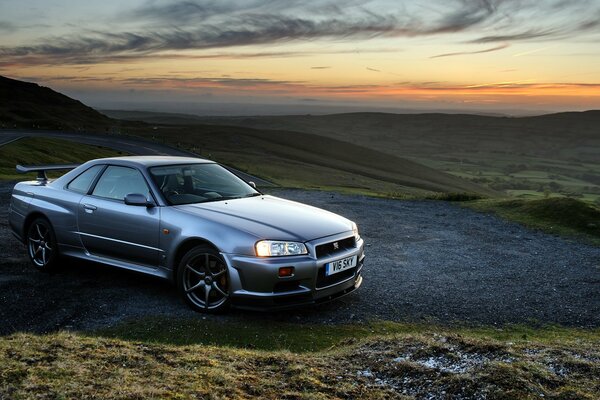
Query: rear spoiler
{"type": "Point", "coordinates": [41, 169]}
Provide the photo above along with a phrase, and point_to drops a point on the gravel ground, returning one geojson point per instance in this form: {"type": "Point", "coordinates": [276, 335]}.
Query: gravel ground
{"type": "Point", "coordinates": [427, 261]}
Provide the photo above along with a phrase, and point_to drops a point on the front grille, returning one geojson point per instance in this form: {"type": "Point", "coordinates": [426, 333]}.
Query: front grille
{"type": "Point", "coordinates": [324, 280]}
{"type": "Point", "coordinates": [328, 249]}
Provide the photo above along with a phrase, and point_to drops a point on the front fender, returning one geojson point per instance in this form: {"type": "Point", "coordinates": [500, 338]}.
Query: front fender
{"type": "Point", "coordinates": [178, 227]}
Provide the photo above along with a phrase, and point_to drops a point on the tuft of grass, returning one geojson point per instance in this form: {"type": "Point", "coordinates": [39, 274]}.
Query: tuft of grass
{"type": "Point", "coordinates": [373, 361]}
{"type": "Point", "coordinates": [560, 215]}
{"type": "Point", "coordinates": [455, 196]}
{"type": "Point", "coordinates": [46, 151]}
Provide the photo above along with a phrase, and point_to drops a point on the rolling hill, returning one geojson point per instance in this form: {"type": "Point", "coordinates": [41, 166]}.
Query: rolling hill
{"type": "Point", "coordinates": [299, 159]}
{"type": "Point", "coordinates": [290, 158]}
{"type": "Point", "coordinates": [551, 135]}
{"type": "Point", "coordinates": [554, 154]}
{"type": "Point", "coordinates": [28, 105]}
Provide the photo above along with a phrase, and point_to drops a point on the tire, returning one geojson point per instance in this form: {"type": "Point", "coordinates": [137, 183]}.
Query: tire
{"type": "Point", "coordinates": [204, 289]}
{"type": "Point", "coordinates": [42, 247]}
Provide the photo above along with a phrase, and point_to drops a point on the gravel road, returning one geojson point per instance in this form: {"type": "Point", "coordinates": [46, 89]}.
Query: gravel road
{"type": "Point", "coordinates": [426, 261]}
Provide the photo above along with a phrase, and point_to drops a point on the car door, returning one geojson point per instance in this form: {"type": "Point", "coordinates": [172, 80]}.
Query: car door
{"type": "Point", "coordinates": [112, 229]}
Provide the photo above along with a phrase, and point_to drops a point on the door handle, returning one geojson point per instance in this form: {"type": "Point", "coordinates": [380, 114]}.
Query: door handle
{"type": "Point", "coordinates": [89, 208]}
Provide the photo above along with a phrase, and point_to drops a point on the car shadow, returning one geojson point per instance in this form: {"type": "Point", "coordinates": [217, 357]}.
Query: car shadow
{"type": "Point", "coordinates": [88, 296]}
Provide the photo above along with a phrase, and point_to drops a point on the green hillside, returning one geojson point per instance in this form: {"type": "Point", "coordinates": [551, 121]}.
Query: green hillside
{"type": "Point", "coordinates": [47, 151]}
{"type": "Point", "coordinates": [302, 159]}
{"type": "Point", "coordinates": [523, 157]}
{"type": "Point", "coordinates": [564, 216]}
{"type": "Point", "coordinates": [288, 158]}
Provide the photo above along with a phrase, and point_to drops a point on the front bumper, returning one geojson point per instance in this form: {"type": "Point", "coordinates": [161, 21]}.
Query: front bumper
{"type": "Point", "coordinates": [255, 284]}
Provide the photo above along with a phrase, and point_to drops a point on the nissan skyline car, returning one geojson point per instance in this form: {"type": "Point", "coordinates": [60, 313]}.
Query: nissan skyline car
{"type": "Point", "coordinates": [192, 221]}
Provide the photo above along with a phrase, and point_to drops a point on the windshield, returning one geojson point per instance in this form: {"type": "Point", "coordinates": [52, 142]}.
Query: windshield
{"type": "Point", "coordinates": [199, 183]}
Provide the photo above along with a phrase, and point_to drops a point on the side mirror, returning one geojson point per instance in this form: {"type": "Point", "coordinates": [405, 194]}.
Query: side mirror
{"type": "Point", "coordinates": [137, 199]}
{"type": "Point", "coordinates": [252, 184]}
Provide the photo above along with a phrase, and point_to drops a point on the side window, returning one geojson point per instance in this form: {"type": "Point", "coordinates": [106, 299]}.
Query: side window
{"type": "Point", "coordinates": [117, 182]}
{"type": "Point", "coordinates": [82, 183]}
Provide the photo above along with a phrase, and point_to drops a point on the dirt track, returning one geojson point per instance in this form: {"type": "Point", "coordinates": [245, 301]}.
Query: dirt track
{"type": "Point", "coordinates": [427, 261]}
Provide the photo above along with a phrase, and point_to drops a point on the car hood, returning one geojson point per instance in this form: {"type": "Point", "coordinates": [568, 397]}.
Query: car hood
{"type": "Point", "coordinates": [269, 217]}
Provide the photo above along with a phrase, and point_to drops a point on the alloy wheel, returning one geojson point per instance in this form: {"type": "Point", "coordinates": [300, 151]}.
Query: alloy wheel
{"type": "Point", "coordinates": [205, 281]}
{"type": "Point", "coordinates": [40, 244]}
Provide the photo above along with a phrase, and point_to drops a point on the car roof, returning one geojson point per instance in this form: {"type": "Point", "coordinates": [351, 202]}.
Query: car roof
{"type": "Point", "coordinates": [152, 161]}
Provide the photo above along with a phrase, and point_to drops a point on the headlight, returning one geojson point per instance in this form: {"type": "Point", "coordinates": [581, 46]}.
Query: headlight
{"type": "Point", "coordinates": [272, 248]}
{"type": "Point", "coordinates": [355, 231]}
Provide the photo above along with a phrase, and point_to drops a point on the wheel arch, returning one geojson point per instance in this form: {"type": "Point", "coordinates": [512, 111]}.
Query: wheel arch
{"type": "Point", "coordinates": [32, 216]}
{"type": "Point", "coordinates": [183, 248]}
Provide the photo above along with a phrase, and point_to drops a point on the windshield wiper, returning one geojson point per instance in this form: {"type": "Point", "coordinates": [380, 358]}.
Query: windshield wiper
{"type": "Point", "coordinates": [220, 199]}
{"type": "Point", "coordinates": [228, 198]}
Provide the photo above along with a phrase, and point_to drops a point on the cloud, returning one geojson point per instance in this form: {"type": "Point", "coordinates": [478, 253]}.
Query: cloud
{"type": "Point", "coordinates": [159, 27]}
{"type": "Point", "coordinates": [7, 27]}
{"type": "Point", "coordinates": [521, 36]}
{"type": "Point", "coordinates": [468, 14]}
{"type": "Point", "coordinates": [373, 69]}
{"type": "Point", "coordinates": [181, 11]}
{"type": "Point", "coordinates": [301, 89]}
{"type": "Point", "coordinates": [525, 53]}
{"type": "Point", "coordinates": [320, 67]}
{"type": "Point", "coordinates": [202, 25]}
{"type": "Point", "coordinates": [461, 53]}
{"type": "Point", "coordinates": [567, 20]}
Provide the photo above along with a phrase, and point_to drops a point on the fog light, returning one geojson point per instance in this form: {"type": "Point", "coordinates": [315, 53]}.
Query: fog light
{"type": "Point", "coordinates": [286, 271]}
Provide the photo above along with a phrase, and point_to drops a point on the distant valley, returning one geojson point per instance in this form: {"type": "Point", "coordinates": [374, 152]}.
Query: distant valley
{"type": "Point", "coordinates": [291, 159]}
{"type": "Point", "coordinates": [529, 157]}
{"type": "Point", "coordinates": [391, 155]}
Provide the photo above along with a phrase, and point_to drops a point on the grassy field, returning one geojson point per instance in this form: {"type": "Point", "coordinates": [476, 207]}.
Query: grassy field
{"type": "Point", "coordinates": [46, 151]}
{"type": "Point", "coordinates": [300, 159]}
{"type": "Point", "coordinates": [563, 216]}
{"type": "Point", "coordinates": [532, 157]}
{"type": "Point", "coordinates": [194, 359]}
{"type": "Point", "coordinates": [521, 176]}
{"type": "Point", "coordinates": [306, 160]}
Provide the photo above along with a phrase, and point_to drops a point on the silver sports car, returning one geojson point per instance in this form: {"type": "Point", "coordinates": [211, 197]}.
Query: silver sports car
{"type": "Point", "coordinates": [192, 221]}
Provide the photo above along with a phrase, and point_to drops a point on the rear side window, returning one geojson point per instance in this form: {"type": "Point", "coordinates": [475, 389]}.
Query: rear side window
{"type": "Point", "coordinates": [117, 182]}
{"type": "Point", "coordinates": [82, 183]}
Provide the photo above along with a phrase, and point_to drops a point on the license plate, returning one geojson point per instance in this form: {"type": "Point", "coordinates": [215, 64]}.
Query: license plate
{"type": "Point", "coordinates": [340, 265]}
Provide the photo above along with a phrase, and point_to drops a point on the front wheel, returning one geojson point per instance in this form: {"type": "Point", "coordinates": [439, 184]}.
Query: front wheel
{"type": "Point", "coordinates": [41, 245]}
{"type": "Point", "coordinates": [203, 280]}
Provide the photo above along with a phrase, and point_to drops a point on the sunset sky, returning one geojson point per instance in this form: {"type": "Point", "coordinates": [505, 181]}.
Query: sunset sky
{"type": "Point", "coordinates": [435, 54]}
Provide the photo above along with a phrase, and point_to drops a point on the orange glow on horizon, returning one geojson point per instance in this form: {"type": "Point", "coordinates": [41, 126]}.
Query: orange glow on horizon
{"type": "Point", "coordinates": [357, 53]}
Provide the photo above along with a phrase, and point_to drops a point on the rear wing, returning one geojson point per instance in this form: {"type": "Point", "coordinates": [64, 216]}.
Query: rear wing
{"type": "Point", "coordinates": [41, 169]}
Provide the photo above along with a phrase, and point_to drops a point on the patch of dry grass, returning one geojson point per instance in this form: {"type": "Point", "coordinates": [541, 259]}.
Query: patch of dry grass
{"type": "Point", "coordinates": [421, 364]}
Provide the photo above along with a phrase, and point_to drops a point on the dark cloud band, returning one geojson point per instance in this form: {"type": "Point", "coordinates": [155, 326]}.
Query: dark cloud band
{"type": "Point", "coordinates": [461, 53]}
{"type": "Point", "coordinates": [201, 25]}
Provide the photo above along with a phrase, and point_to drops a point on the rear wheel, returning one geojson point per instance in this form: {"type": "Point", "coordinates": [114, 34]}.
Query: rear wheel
{"type": "Point", "coordinates": [41, 245]}
{"type": "Point", "coordinates": [203, 280]}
